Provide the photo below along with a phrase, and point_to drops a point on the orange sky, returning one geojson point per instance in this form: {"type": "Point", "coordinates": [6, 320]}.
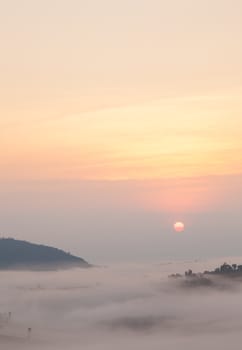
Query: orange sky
{"type": "Point", "coordinates": [167, 138]}
{"type": "Point", "coordinates": [85, 97]}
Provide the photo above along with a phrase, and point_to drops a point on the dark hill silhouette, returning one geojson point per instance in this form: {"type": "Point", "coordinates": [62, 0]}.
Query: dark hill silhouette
{"type": "Point", "coordinates": [16, 254]}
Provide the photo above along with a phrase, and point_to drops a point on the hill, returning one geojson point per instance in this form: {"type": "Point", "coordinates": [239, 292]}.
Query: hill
{"type": "Point", "coordinates": [23, 255]}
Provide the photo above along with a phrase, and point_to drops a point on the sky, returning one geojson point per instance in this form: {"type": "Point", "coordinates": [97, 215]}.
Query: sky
{"type": "Point", "coordinates": [118, 118]}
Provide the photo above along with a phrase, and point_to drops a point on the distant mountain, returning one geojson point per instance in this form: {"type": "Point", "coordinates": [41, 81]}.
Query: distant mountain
{"type": "Point", "coordinates": [22, 255]}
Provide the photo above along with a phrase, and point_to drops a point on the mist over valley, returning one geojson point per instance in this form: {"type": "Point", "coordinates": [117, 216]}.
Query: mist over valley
{"type": "Point", "coordinates": [135, 306]}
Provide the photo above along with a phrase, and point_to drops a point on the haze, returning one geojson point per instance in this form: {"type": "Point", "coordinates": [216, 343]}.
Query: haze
{"type": "Point", "coordinates": [117, 120]}
{"type": "Point", "coordinates": [131, 306]}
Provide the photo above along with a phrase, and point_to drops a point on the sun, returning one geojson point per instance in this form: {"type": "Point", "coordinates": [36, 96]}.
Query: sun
{"type": "Point", "coordinates": [179, 226]}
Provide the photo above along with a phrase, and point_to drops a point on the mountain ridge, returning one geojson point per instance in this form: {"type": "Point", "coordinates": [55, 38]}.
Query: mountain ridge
{"type": "Point", "coordinates": [23, 255]}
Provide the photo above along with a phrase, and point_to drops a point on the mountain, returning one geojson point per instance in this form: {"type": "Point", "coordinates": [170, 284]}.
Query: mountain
{"type": "Point", "coordinates": [22, 255]}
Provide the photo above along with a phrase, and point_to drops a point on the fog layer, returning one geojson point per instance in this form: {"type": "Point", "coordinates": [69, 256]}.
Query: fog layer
{"type": "Point", "coordinates": [122, 306]}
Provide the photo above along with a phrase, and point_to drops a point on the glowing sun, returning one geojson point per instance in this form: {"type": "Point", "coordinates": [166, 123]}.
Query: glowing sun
{"type": "Point", "coordinates": [179, 226]}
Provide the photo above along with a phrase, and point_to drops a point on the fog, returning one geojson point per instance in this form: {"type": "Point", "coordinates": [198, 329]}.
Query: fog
{"type": "Point", "coordinates": [133, 306]}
